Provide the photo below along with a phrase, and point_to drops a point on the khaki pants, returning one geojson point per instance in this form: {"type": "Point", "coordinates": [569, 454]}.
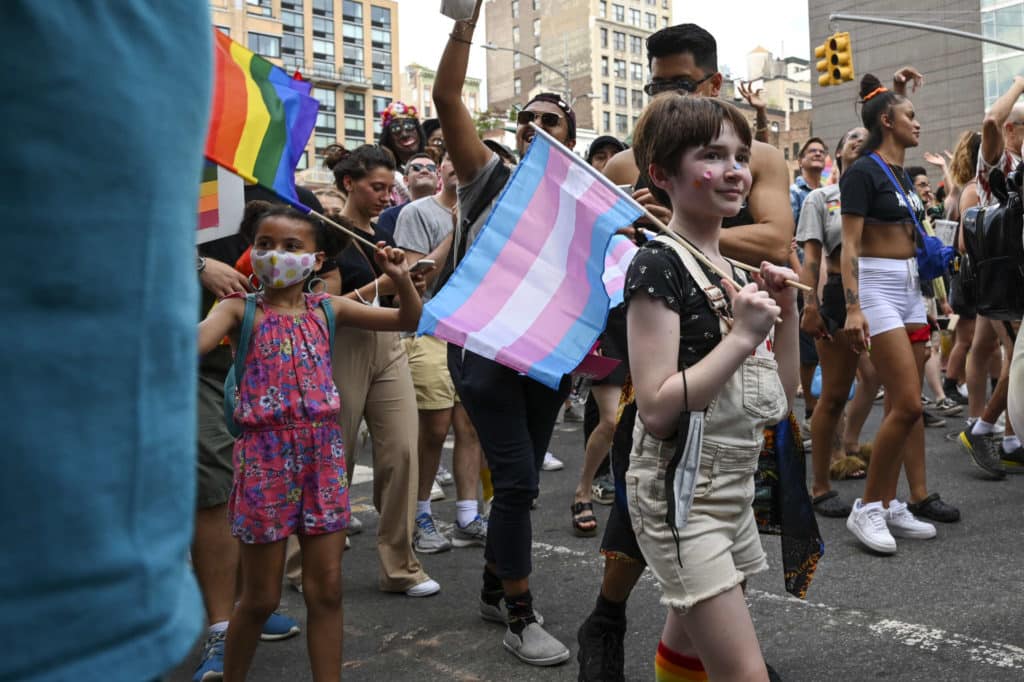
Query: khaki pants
{"type": "Point", "coordinates": [372, 375]}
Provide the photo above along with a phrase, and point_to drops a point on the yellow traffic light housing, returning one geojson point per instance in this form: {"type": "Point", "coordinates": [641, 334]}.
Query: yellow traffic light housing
{"type": "Point", "coordinates": [824, 56]}
{"type": "Point", "coordinates": [841, 58]}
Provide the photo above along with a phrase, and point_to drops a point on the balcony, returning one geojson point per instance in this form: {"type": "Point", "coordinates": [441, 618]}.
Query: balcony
{"type": "Point", "coordinates": [354, 78]}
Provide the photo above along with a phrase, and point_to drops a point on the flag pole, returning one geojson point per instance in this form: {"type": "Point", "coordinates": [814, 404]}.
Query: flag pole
{"type": "Point", "coordinates": [697, 253]}
{"type": "Point", "coordinates": [344, 229]}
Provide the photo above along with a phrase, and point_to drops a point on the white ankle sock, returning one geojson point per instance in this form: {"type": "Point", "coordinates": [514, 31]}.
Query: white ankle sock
{"type": "Point", "coordinates": [465, 512]}
{"type": "Point", "coordinates": [218, 627]}
{"type": "Point", "coordinates": [423, 507]}
{"type": "Point", "coordinates": [1011, 443]}
{"type": "Point", "coordinates": [982, 427]}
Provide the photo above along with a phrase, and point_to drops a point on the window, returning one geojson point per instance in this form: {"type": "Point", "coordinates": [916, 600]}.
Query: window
{"type": "Point", "coordinates": [536, 28]}
{"type": "Point", "coordinates": [636, 44]}
{"type": "Point", "coordinates": [379, 105]}
{"type": "Point", "coordinates": [516, 61]}
{"type": "Point", "coordinates": [382, 79]}
{"type": "Point", "coordinates": [323, 28]}
{"type": "Point", "coordinates": [619, 40]}
{"type": "Point", "coordinates": [634, 17]}
{"type": "Point", "coordinates": [604, 66]}
{"type": "Point", "coordinates": [796, 150]}
{"type": "Point", "coordinates": [292, 4]}
{"type": "Point", "coordinates": [652, 21]}
{"type": "Point", "coordinates": [515, 9]}
{"type": "Point", "coordinates": [324, 8]}
{"type": "Point", "coordinates": [620, 68]}
{"type": "Point", "coordinates": [536, 4]}
{"type": "Point", "coordinates": [636, 71]}
{"type": "Point", "coordinates": [604, 38]}
{"type": "Point", "coordinates": [620, 96]}
{"type": "Point", "coordinates": [380, 37]}
{"type": "Point", "coordinates": [326, 122]}
{"type": "Point", "coordinates": [515, 35]}
{"type": "Point", "coordinates": [606, 122]}
{"type": "Point", "coordinates": [353, 142]}
{"type": "Point", "coordinates": [621, 124]}
{"type": "Point", "coordinates": [303, 163]}
{"type": "Point", "coordinates": [638, 99]}
{"type": "Point", "coordinates": [605, 94]}
{"type": "Point", "coordinates": [381, 59]}
{"type": "Point", "coordinates": [321, 142]}
{"type": "Point", "coordinates": [259, 7]}
{"type": "Point", "coordinates": [323, 49]}
{"type": "Point", "coordinates": [517, 87]}
{"type": "Point", "coordinates": [351, 33]}
{"type": "Point", "coordinates": [291, 21]}
{"type": "Point", "coordinates": [326, 97]}
{"type": "Point", "coordinates": [619, 13]}
{"type": "Point", "coordinates": [380, 17]}
{"type": "Point", "coordinates": [791, 104]}
{"type": "Point", "coordinates": [225, 30]}
{"type": "Point", "coordinates": [664, 22]}
{"type": "Point", "coordinates": [268, 46]}
{"type": "Point", "coordinates": [293, 45]}
{"type": "Point", "coordinates": [537, 78]}
{"type": "Point", "coordinates": [664, 4]}
{"type": "Point", "coordinates": [602, 9]}
{"type": "Point", "coordinates": [536, 52]}
{"type": "Point", "coordinates": [350, 11]}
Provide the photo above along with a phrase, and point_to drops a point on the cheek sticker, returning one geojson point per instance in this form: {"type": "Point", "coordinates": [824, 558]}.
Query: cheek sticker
{"type": "Point", "coordinates": [737, 165]}
{"type": "Point", "coordinates": [707, 176]}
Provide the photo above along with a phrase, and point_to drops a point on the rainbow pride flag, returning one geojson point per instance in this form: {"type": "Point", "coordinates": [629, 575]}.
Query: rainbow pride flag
{"type": "Point", "coordinates": [261, 118]}
{"type": "Point", "coordinates": [209, 205]}
{"type": "Point", "coordinates": [529, 294]}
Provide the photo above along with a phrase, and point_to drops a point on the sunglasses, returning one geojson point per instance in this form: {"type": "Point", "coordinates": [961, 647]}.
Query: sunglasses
{"type": "Point", "coordinates": [417, 167]}
{"type": "Point", "coordinates": [676, 84]}
{"type": "Point", "coordinates": [436, 142]}
{"type": "Point", "coordinates": [405, 127]}
{"type": "Point", "coordinates": [547, 119]}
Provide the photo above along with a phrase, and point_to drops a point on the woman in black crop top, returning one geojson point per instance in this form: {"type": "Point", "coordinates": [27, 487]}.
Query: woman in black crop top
{"type": "Point", "coordinates": [885, 311]}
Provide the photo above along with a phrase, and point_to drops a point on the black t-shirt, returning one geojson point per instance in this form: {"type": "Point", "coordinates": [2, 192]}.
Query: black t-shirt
{"type": "Point", "coordinates": [867, 191]}
{"type": "Point", "coordinates": [657, 271]}
{"type": "Point", "coordinates": [359, 269]}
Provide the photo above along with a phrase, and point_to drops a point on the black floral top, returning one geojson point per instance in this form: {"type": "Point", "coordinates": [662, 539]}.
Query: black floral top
{"type": "Point", "coordinates": [657, 271]}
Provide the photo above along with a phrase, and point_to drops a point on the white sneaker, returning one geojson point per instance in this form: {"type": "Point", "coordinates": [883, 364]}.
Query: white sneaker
{"type": "Point", "coordinates": [867, 523]}
{"type": "Point", "coordinates": [903, 524]}
{"type": "Point", "coordinates": [551, 463]}
{"type": "Point", "coordinates": [436, 492]}
{"type": "Point", "coordinates": [426, 588]}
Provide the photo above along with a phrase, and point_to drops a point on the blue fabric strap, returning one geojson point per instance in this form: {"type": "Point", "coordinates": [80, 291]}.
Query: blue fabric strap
{"type": "Point", "coordinates": [243, 337]}
{"type": "Point", "coordinates": [899, 188]}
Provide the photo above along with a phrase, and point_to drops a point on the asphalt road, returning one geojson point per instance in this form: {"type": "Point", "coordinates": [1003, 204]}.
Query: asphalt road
{"type": "Point", "coordinates": [942, 609]}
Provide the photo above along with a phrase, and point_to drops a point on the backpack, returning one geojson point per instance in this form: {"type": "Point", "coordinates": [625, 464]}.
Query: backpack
{"type": "Point", "coordinates": [237, 370]}
{"type": "Point", "coordinates": [992, 268]}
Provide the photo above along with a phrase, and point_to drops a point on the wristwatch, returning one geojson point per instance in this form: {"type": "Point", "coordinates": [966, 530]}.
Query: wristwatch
{"type": "Point", "coordinates": [200, 264]}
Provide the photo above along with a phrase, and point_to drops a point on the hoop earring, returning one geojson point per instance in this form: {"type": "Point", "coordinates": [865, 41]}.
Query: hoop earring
{"type": "Point", "coordinates": [312, 284]}
{"type": "Point", "coordinates": [256, 286]}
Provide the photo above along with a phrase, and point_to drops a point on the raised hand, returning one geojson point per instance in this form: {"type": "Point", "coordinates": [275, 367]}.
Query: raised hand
{"type": "Point", "coordinates": [935, 159]}
{"type": "Point", "coordinates": [908, 74]}
{"type": "Point", "coordinates": [391, 261]}
{"type": "Point", "coordinates": [754, 312]}
{"type": "Point", "coordinates": [772, 279]}
{"type": "Point", "coordinates": [752, 96]}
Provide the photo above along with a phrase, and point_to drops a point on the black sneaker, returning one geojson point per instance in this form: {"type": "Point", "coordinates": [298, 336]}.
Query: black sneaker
{"type": "Point", "coordinates": [1012, 460]}
{"type": "Point", "coordinates": [983, 453]}
{"type": "Point", "coordinates": [933, 420]}
{"type": "Point", "coordinates": [602, 651]}
{"type": "Point", "coordinates": [954, 396]}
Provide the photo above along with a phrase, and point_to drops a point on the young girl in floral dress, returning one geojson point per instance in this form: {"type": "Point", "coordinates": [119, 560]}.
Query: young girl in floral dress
{"type": "Point", "coordinates": [289, 460]}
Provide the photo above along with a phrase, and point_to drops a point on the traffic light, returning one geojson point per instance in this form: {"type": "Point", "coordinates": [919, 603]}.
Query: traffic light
{"type": "Point", "coordinates": [835, 60]}
{"type": "Point", "coordinates": [824, 56]}
{"type": "Point", "coordinates": [841, 58]}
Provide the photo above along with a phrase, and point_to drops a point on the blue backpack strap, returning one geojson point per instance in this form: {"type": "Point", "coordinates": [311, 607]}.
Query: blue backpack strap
{"type": "Point", "coordinates": [329, 314]}
{"type": "Point", "coordinates": [899, 188]}
{"type": "Point", "coordinates": [243, 336]}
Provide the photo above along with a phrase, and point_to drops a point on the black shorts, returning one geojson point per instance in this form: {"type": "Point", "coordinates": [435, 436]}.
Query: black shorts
{"type": "Point", "coordinates": [959, 300]}
{"type": "Point", "coordinates": [833, 304]}
{"type": "Point", "coordinates": [619, 539]}
{"type": "Point", "coordinates": [613, 345]}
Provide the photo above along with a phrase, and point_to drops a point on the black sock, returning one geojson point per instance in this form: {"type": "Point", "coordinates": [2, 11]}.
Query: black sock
{"type": "Point", "coordinates": [993, 381]}
{"type": "Point", "coordinates": [808, 413]}
{"type": "Point", "coordinates": [520, 611]}
{"type": "Point", "coordinates": [948, 385]}
{"type": "Point", "coordinates": [492, 591]}
{"type": "Point", "coordinates": [608, 610]}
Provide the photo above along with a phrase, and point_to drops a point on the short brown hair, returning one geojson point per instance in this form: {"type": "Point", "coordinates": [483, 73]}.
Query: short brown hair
{"type": "Point", "coordinates": [673, 123]}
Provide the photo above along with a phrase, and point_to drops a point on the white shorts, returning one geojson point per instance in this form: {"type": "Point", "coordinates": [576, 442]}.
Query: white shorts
{"type": "Point", "coordinates": [890, 295]}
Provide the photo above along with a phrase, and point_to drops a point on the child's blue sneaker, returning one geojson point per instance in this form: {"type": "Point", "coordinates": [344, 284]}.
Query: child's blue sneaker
{"type": "Point", "coordinates": [278, 627]}
{"type": "Point", "coordinates": [211, 665]}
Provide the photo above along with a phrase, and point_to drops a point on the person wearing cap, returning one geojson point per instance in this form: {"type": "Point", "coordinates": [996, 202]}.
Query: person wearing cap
{"type": "Point", "coordinates": [603, 149]}
{"type": "Point", "coordinates": [514, 415]}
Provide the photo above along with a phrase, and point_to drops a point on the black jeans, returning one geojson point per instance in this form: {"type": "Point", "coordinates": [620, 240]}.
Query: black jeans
{"type": "Point", "coordinates": [514, 417]}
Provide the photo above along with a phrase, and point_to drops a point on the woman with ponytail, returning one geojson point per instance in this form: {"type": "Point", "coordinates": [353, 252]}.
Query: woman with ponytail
{"type": "Point", "coordinates": [885, 312]}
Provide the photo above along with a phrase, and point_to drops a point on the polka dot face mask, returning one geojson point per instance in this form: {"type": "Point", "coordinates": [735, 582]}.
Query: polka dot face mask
{"type": "Point", "coordinates": [280, 269]}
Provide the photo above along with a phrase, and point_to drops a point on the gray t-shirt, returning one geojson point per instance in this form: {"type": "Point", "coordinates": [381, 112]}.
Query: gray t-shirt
{"type": "Point", "coordinates": [470, 193]}
{"type": "Point", "coordinates": [821, 219]}
{"type": "Point", "coordinates": [422, 226]}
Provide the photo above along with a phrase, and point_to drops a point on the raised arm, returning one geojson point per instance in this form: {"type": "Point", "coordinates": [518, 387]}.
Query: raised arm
{"type": "Point", "coordinates": [223, 319]}
{"type": "Point", "coordinates": [992, 127]}
{"type": "Point", "coordinates": [404, 318]}
{"type": "Point", "coordinates": [467, 152]}
{"type": "Point", "coordinates": [770, 237]}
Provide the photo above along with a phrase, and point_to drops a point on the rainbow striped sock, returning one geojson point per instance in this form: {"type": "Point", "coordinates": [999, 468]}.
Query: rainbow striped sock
{"type": "Point", "coordinates": [672, 666]}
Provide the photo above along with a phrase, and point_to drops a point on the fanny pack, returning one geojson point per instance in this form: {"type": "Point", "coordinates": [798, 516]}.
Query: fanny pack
{"type": "Point", "coordinates": [933, 257]}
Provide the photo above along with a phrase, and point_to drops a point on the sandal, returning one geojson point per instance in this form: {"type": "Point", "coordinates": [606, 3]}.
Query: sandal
{"type": "Point", "coordinates": [584, 523]}
{"type": "Point", "coordinates": [934, 509]}
{"type": "Point", "coordinates": [829, 504]}
{"type": "Point", "coordinates": [848, 467]}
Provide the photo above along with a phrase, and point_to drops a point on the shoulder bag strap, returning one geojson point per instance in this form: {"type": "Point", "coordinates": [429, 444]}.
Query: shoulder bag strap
{"type": "Point", "coordinates": [329, 314]}
{"type": "Point", "coordinates": [899, 188]}
{"type": "Point", "coordinates": [715, 296]}
{"type": "Point", "coordinates": [243, 336]}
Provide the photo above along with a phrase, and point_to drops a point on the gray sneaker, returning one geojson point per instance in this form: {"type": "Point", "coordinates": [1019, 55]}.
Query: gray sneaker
{"type": "Point", "coordinates": [426, 539]}
{"type": "Point", "coordinates": [473, 534]}
{"type": "Point", "coordinates": [535, 646]}
{"type": "Point", "coordinates": [494, 614]}
{"type": "Point", "coordinates": [984, 453]}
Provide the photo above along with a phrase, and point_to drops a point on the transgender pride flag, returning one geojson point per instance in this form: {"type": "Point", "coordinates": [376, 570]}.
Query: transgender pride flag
{"type": "Point", "coordinates": [529, 293]}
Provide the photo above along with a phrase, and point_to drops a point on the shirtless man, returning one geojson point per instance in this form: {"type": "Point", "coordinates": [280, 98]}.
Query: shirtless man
{"type": "Point", "coordinates": [681, 58]}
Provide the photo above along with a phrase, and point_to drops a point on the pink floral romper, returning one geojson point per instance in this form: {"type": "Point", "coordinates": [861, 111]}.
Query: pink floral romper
{"type": "Point", "coordinates": [289, 461]}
